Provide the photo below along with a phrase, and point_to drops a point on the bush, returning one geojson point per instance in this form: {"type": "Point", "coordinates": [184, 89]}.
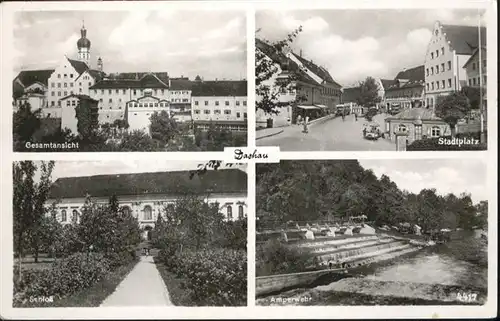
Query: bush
{"type": "Point", "coordinates": [274, 257]}
{"type": "Point", "coordinates": [116, 259]}
{"type": "Point", "coordinates": [431, 144]}
{"type": "Point", "coordinates": [213, 277]}
{"type": "Point", "coordinates": [66, 276]}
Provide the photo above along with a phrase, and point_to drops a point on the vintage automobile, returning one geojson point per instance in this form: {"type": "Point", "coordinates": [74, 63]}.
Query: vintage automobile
{"type": "Point", "coordinates": [371, 131]}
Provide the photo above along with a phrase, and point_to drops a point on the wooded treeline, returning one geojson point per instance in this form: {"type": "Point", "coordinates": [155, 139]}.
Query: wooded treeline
{"type": "Point", "coordinates": [333, 190]}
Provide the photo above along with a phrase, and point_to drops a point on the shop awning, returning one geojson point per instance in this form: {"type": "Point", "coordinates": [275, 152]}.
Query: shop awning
{"type": "Point", "coordinates": [320, 106]}
{"type": "Point", "coordinates": [308, 107]}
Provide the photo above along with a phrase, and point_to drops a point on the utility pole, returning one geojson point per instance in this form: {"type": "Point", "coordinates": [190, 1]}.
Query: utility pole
{"type": "Point", "coordinates": [481, 108]}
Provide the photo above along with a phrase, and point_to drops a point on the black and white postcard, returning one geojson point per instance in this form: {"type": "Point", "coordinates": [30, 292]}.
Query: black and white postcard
{"type": "Point", "coordinates": [372, 232]}
{"type": "Point", "coordinates": [371, 80]}
{"type": "Point", "coordinates": [129, 80]}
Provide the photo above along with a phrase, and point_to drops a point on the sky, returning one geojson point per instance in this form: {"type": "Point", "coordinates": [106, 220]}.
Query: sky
{"type": "Point", "coordinates": [211, 44]}
{"type": "Point", "coordinates": [90, 168]}
{"type": "Point", "coordinates": [445, 175]}
{"type": "Point", "coordinates": [354, 44]}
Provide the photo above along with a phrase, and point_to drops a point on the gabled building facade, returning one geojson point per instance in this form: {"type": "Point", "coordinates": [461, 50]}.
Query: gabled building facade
{"type": "Point", "coordinates": [449, 49]}
{"type": "Point", "coordinates": [406, 90]}
{"type": "Point", "coordinates": [312, 90]}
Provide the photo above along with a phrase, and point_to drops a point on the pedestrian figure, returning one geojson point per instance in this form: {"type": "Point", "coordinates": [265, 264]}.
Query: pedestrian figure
{"type": "Point", "coordinates": [356, 116]}
{"type": "Point", "coordinates": [299, 119]}
{"type": "Point", "coordinates": [343, 117]}
{"type": "Point", "coordinates": [364, 131]}
{"type": "Point", "coordinates": [305, 125]}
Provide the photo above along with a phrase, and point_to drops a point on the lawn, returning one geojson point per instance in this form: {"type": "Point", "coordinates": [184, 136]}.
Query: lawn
{"type": "Point", "coordinates": [178, 294]}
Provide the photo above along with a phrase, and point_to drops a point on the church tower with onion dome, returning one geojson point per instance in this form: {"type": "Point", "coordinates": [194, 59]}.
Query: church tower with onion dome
{"type": "Point", "coordinates": [83, 45]}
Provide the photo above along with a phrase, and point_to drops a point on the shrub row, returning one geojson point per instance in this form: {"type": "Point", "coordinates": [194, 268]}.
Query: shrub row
{"type": "Point", "coordinates": [436, 144]}
{"type": "Point", "coordinates": [68, 275]}
{"type": "Point", "coordinates": [216, 277]}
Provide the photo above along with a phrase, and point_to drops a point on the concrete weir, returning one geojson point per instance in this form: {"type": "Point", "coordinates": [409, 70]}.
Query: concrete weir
{"type": "Point", "coordinates": [338, 257]}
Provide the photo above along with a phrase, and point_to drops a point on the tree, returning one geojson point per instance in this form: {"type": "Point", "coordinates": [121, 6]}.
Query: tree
{"type": "Point", "coordinates": [137, 140]}
{"type": "Point", "coordinates": [473, 94]}
{"type": "Point", "coordinates": [29, 201]}
{"type": "Point", "coordinates": [368, 96]}
{"type": "Point", "coordinates": [451, 108]}
{"type": "Point", "coordinates": [266, 68]}
{"type": "Point", "coordinates": [192, 223]}
{"type": "Point", "coordinates": [163, 128]}
{"type": "Point", "coordinates": [25, 123]}
{"type": "Point", "coordinates": [87, 116]}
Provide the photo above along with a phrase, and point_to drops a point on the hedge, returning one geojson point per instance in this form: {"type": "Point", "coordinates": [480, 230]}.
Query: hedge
{"type": "Point", "coordinates": [68, 275]}
{"type": "Point", "coordinates": [436, 144]}
{"type": "Point", "coordinates": [215, 277]}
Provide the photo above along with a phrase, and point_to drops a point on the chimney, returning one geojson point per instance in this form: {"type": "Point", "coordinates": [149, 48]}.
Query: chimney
{"type": "Point", "coordinates": [300, 53]}
{"type": "Point", "coordinates": [99, 64]}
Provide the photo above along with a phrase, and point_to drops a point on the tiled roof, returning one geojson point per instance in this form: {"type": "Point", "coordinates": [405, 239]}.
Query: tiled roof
{"type": "Point", "coordinates": [180, 83]}
{"type": "Point", "coordinates": [415, 74]}
{"type": "Point", "coordinates": [416, 113]}
{"type": "Point", "coordinates": [283, 61]}
{"type": "Point", "coordinates": [474, 53]}
{"type": "Point", "coordinates": [83, 97]}
{"type": "Point", "coordinates": [174, 183]}
{"type": "Point", "coordinates": [29, 77]}
{"type": "Point", "coordinates": [220, 88]}
{"type": "Point", "coordinates": [163, 76]}
{"type": "Point", "coordinates": [147, 81]}
{"type": "Point", "coordinates": [387, 83]}
{"type": "Point", "coordinates": [97, 74]}
{"type": "Point", "coordinates": [79, 66]}
{"type": "Point", "coordinates": [350, 95]}
{"type": "Point", "coordinates": [318, 70]}
{"type": "Point", "coordinates": [464, 39]}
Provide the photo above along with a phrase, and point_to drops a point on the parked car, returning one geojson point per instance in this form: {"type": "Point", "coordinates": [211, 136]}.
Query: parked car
{"type": "Point", "coordinates": [371, 131]}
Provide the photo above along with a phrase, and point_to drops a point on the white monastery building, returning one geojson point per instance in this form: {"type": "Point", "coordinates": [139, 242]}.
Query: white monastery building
{"type": "Point", "coordinates": [146, 195]}
{"type": "Point", "coordinates": [129, 96]}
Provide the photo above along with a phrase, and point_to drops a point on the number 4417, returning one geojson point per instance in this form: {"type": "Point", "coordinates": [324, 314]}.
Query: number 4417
{"type": "Point", "coordinates": [466, 297]}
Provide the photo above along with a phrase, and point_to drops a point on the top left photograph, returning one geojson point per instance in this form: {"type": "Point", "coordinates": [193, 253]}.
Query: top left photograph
{"type": "Point", "coordinates": [88, 81]}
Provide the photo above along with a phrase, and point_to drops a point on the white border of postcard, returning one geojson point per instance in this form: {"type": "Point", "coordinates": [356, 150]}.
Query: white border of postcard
{"type": "Point", "coordinates": [354, 312]}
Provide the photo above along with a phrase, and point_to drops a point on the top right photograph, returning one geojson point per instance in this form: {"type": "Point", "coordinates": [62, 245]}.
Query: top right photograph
{"type": "Point", "coordinates": [371, 80]}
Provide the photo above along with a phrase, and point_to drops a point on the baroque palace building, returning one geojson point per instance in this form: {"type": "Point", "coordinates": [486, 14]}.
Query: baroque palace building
{"type": "Point", "coordinates": [130, 96]}
{"type": "Point", "coordinates": [146, 195]}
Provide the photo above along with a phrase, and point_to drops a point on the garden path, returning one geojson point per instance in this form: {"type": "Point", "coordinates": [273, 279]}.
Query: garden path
{"type": "Point", "coordinates": [143, 286]}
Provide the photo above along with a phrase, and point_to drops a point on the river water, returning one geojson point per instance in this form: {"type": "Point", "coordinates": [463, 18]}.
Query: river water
{"type": "Point", "coordinates": [461, 262]}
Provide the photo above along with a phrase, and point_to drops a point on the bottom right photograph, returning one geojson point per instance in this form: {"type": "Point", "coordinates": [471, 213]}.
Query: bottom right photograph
{"type": "Point", "coordinates": [372, 232]}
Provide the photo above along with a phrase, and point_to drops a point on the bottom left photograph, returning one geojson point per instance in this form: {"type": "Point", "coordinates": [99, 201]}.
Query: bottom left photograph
{"type": "Point", "coordinates": [129, 233]}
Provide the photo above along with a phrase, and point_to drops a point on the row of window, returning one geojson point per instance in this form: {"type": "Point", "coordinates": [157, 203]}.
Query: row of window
{"type": "Point", "coordinates": [474, 64]}
{"type": "Point", "coordinates": [134, 91]}
{"type": "Point", "coordinates": [435, 130]}
{"type": "Point", "coordinates": [148, 104]}
{"type": "Point", "coordinates": [244, 102]}
{"type": "Point", "coordinates": [218, 112]}
{"type": "Point", "coordinates": [180, 92]}
{"type": "Point", "coordinates": [64, 216]}
{"type": "Point", "coordinates": [473, 82]}
{"type": "Point", "coordinates": [65, 84]}
{"type": "Point", "coordinates": [438, 85]}
{"type": "Point", "coordinates": [437, 69]}
{"type": "Point", "coordinates": [437, 53]}
{"type": "Point", "coordinates": [148, 212]}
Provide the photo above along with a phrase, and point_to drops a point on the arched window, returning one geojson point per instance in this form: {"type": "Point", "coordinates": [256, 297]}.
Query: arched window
{"type": "Point", "coordinates": [126, 211]}
{"type": "Point", "coordinates": [63, 216]}
{"type": "Point", "coordinates": [402, 128]}
{"type": "Point", "coordinates": [229, 212]}
{"type": "Point", "coordinates": [148, 213]}
{"type": "Point", "coordinates": [75, 216]}
{"type": "Point", "coordinates": [240, 212]}
{"type": "Point", "coordinates": [435, 131]}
